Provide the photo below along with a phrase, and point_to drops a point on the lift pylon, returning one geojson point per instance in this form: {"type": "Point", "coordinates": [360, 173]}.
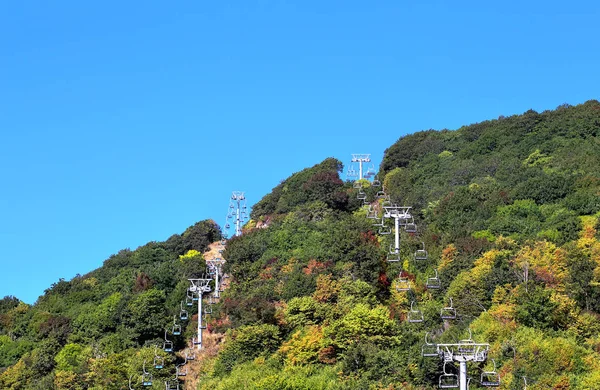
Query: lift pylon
{"type": "Point", "coordinates": [216, 268]}
{"type": "Point", "coordinates": [199, 287]}
{"type": "Point", "coordinates": [399, 213]}
{"type": "Point", "coordinates": [360, 159]}
{"type": "Point", "coordinates": [237, 214]}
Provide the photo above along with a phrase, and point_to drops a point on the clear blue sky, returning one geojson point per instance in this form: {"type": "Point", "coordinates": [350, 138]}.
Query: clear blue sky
{"type": "Point", "coordinates": [125, 122]}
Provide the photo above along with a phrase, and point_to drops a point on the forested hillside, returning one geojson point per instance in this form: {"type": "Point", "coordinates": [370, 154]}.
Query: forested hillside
{"type": "Point", "coordinates": [506, 210]}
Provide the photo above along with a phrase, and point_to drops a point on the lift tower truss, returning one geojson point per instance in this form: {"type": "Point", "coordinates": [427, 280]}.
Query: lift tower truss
{"type": "Point", "coordinates": [463, 352]}
{"type": "Point", "coordinates": [199, 287]}
{"type": "Point", "coordinates": [360, 159]}
{"type": "Point", "coordinates": [237, 214]}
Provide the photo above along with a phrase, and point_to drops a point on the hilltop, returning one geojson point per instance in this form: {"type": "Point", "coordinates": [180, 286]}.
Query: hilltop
{"type": "Point", "coordinates": [507, 210]}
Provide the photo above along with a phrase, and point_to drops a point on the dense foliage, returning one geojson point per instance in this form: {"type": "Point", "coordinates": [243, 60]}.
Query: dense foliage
{"type": "Point", "coordinates": [508, 210]}
{"type": "Point", "coordinates": [96, 330]}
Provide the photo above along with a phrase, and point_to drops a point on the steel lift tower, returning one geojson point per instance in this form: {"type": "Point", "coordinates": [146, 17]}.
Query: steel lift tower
{"type": "Point", "coordinates": [199, 287]}
{"type": "Point", "coordinates": [360, 159]}
{"type": "Point", "coordinates": [461, 352]}
{"type": "Point", "coordinates": [401, 214]}
{"type": "Point", "coordinates": [237, 213]}
{"type": "Point", "coordinates": [216, 266]}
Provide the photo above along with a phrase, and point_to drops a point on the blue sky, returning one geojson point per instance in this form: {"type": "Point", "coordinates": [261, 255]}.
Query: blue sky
{"type": "Point", "coordinates": [126, 122]}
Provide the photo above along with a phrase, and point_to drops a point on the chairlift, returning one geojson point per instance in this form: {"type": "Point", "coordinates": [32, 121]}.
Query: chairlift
{"type": "Point", "coordinates": [372, 213]}
{"type": "Point", "coordinates": [357, 184]}
{"type": "Point", "coordinates": [183, 314]}
{"type": "Point", "coordinates": [447, 380]}
{"type": "Point", "coordinates": [467, 346]}
{"type": "Point", "coordinates": [203, 322]}
{"type": "Point", "coordinates": [376, 183]}
{"type": "Point", "coordinates": [159, 361]}
{"type": "Point", "coordinates": [208, 309]}
{"type": "Point", "coordinates": [361, 195]}
{"type": "Point", "coordinates": [146, 376]}
{"type": "Point", "coordinates": [429, 349]}
{"type": "Point", "coordinates": [189, 301]}
{"type": "Point", "coordinates": [380, 224]}
{"type": "Point", "coordinates": [190, 355]}
{"type": "Point", "coordinates": [179, 371]}
{"type": "Point", "coordinates": [130, 377]}
{"type": "Point", "coordinates": [229, 216]}
{"type": "Point", "coordinates": [196, 341]}
{"type": "Point", "coordinates": [414, 315]}
{"type": "Point", "coordinates": [172, 384]}
{"type": "Point", "coordinates": [380, 195]}
{"type": "Point", "coordinates": [393, 254]}
{"type": "Point", "coordinates": [176, 327]}
{"type": "Point", "coordinates": [403, 283]}
{"type": "Point", "coordinates": [227, 225]}
{"type": "Point", "coordinates": [167, 344]}
{"type": "Point", "coordinates": [448, 312]}
{"type": "Point", "coordinates": [434, 281]}
{"type": "Point", "coordinates": [490, 378]}
{"type": "Point", "coordinates": [384, 230]}
{"type": "Point", "coordinates": [192, 296]}
{"type": "Point", "coordinates": [411, 227]}
{"type": "Point", "coordinates": [421, 254]}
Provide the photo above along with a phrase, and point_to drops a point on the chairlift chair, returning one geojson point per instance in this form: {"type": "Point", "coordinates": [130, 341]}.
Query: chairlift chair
{"type": "Point", "coordinates": [146, 376]}
{"type": "Point", "coordinates": [208, 309]}
{"type": "Point", "coordinates": [361, 195]}
{"type": "Point", "coordinates": [227, 226]}
{"type": "Point", "coordinates": [448, 312]}
{"type": "Point", "coordinates": [411, 227]}
{"type": "Point", "coordinates": [376, 183]}
{"type": "Point", "coordinates": [393, 254]}
{"type": "Point", "coordinates": [403, 283]}
{"type": "Point", "coordinates": [415, 315]}
{"type": "Point", "coordinates": [189, 301]}
{"type": "Point", "coordinates": [467, 346]}
{"type": "Point", "coordinates": [384, 230]}
{"type": "Point", "coordinates": [183, 314]}
{"type": "Point", "coordinates": [159, 362]}
{"type": "Point", "coordinates": [172, 384]}
{"type": "Point", "coordinates": [490, 378]}
{"type": "Point", "coordinates": [176, 327]}
{"type": "Point", "coordinates": [357, 184]}
{"type": "Point", "coordinates": [372, 213]}
{"type": "Point", "coordinates": [421, 254]}
{"type": "Point", "coordinates": [380, 195]}
{"type": "Point", "coordinates": [447, 380]}
{"type": "Point", "coordinates": [429, 349]}
{"type": "Point", "coordinates": [433, 282]}
{"type": "Point", "coordinates": [196, 341]}
{"type": "Point", "coordinates": [190, 355]}
{"type": "Point", "coordinates": [380, 224]}
{"type": "Point", "coordinates": [179, 371]}
{"type": "Point", "coordinates": [167, 344]}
